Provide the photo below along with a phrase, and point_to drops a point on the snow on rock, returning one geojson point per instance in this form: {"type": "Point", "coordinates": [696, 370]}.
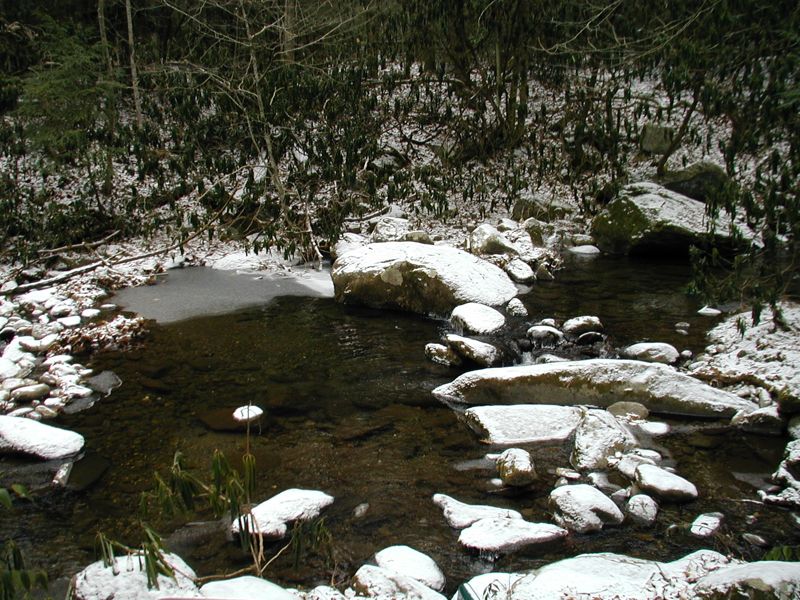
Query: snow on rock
{"type": "Point", "coordinates": [763, 579]}
{"type": "Point", "coordinates": [347, 242]}
{"type": "Point", "coordinates": [642, 510]}
{"type": "Point", "coordinates": [245, 588]}
{"type": "Point", "coordinates": [598, 382]}
{"type": "Point", "coordinates": [658, 352]}
{"type": "Point", "coordinates": [477, 318]}
{"type": "Point", "coordinates": [516, 467]}
{"type": "Point", "coordinates": [270, 518]}
{"type": "Point", "coordinates": [127, 580]}
{"type": "Point", "coordinates": [490, 585]}
{"type": "Point", "coordinates": [628, 464]}
{"type": "Point", "coordinates": [646, 217]}
{"type": "Point", "coordinates": [765, 421]}
{"type": "Point", "coordinates": [599, 436]}
{"type": "Point", "coordinates": [579, 325]}
{"type": "Point", "coordinates": [766, 355]}
{"type": "Point", "coordinates": [418, 278]}
{"type": "Point", "coordinates": [481, 353]}
{"type": "Point", "coordinates": [411, 563]}
{"type": "Point", "coordinates": [443, 355]}
{"type": "Point", "coordinates": [583, 508]}
{"type": "Point", "coordinates": [608, 576]}
{"type": "Point", "coordinates": [243, 414]}
{"type": "Point", "coordinates": [665, 485]}
{"type": "Point", "coordinates": [324, 592]}
{"type": "Point", "coordinates": [460, 515]}
{"type": "Point", "coordinates": [390, 229]}
{"type": "Point", "coordinates": [544, 334]}
{"type": "Point", "coordinates": [708, 311]}
{"type": "Point", "coordinates": [486, 239]}
{"type": "Point", "coordinates": [523, 423]}
{"type": "Point", "coordinates": [375, 582]}
{"type": "Point", "coordinates": [8, 369]}
{"type": "Point", "coordinates": [519, 271]}
{"type": "Point", "coordinates": [706, 525]}
{"type": "Point", "coordinates": [506, 535]}
{"type": "Point", "coordinates": [516, 308]}
{"type": "Point", "coordinates": [785, 475]}
{"type": "Point", "coordinates": [584, 250]}
{"type": "Point", "coordinates": [26, 436]}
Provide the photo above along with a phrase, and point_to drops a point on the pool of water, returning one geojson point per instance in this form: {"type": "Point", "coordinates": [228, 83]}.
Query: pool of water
{"type": "Point", "coordinates": [348, 407]}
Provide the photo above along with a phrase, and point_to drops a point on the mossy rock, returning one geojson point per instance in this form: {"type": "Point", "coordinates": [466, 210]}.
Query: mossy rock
{"type": "Point", "coordinates": [540, 208]}
{"type": "Point", "coordinates": [702, 181]}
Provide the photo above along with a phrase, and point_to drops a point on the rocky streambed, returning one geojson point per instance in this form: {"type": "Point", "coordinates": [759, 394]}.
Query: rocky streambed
{"type": "Point", "coordinates": [537, 428]}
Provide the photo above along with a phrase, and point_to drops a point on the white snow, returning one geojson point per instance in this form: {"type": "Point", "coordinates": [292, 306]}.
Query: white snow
{"type": "Point", "coordinates": [523, 423]}
{"type": "Point", "coordinates": [706, 525]}
{"type": "Point", "coordinates": [506, 535]}
{"type": "Point", "coordinates": [411, 563]}
{"type": "Point", "coordinates": [642, 509]}
{"type": "Point", "coordinates": [652, 352]}
{"type": "Point", "coordinates": [583, 508]}
{"type": "Point", "coordinates": [31, 437]}
{"type": "Point", "coordinates": [664, 484]}
{"type": "Point", "coordinates": [481, 353]}
{"type": "Point", "coordinates": [598, 437]}
{"type": "Point", "coordinates": [477, 318]}
{"type": "Point", "coordinates": [246, 587]}
{"type": "Point", "coordinates": [375, 582]}
{"type": "Point", "coordinates": [763, 579]}
{"type": "Point", "coordinates": [270, 518]}
{"type": "Point", "coordinates": [460, 515]}
{"type": "Point", "coordinates": [243, 414]}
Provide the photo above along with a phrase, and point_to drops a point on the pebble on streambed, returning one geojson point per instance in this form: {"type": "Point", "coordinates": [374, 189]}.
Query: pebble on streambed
{"type": "Point", "coordinates": [247, 414]}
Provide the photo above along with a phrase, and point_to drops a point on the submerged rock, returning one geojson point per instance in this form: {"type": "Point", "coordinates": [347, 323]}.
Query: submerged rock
{"type": "Point", "coordinates": [507, 535]}
{"type": "Point", "coordinates": [270, 518]}
{"type": "Point", "coordinates": [411, 563]}
{"type": "Point", "coordinates": [523, 423]}
{"type": "Point", "coordinates": [583, 508]}
{"type": "Point", "coordinates": [26, 436]}
{"type": "Point", "coordinates": [599, 382]}
{"type": "Point", "coordinates": [127, 580]}
{"type": "Point", "coordinates": [418, 278]}
{"type": "Point", "coordinates": [460, 515]}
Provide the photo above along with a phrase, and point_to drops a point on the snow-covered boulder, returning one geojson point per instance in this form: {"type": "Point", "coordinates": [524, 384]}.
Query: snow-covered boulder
{"type": "Point", "coordinates": [598, 437]}
{"type": "Point", "coordinates": [516, 308]}
{"type": "Point", "coordinates": [607, 576]}
{"type": "Point", "coordinates": [127, 580]}
{"type": "Point", "coordinates": [628, 464]}
{"type": "Point", "coordinates": [480, 353]}
{"type": "Point", "coordinates": [764, 579]}
{"type": "Point", "coordinates": [507, 535]}
{"type": "Point", "coordinates": [646, 217]}
{"type": "Point", "coordinates": [764, 421]}
{"type": "Point", "coordinates": [583, 508]}
{"type": "Point", "coordinates": [642, 510]}
{"type": "Point", "coordinates": [418, 278]}
{"type": "Point", "coordinates": [443, 355]}
{"type": "Point", "coordinates": [519, 271]}
{"type": "Point", "coordinates": [598, 382]}
{"type": "Point", "coordinates": [516, 467]}
{"type": "Point", "coordinates": [390, 229]}
{"type": "Point", "coordinates": [375, 582]}
{"type": "Point", "coordinates": [477, 318]}
{"type": "Point", "coordinates": [523, 423]}
{"type": "Point", "coordinates": [544, 335]}
{"type": "Point", "coordinates": [486, 239]}
{"type": "Point", "coordinates": [245, 588]}
{"type": "Point", "coordinates": [411, 563]}
{"type": "Point", "coordinates": [460, 515]}
{"type": "Point", "coordinates": [26, 436]}
{"type": "Point", "coordinates": [489, 584]}
{"type": "Point", "coordinates": [658, 352]}
{"type": "Point", "coordinates": [706, 525]}
{"type": "Point", "coordinates": [580, 325]}
{"type": "Point", "coordinates": [665, 485]}
{"type": "Point", "coordinates": [270, 519]}
{"type": "Point", "coordinates": [248, 413]}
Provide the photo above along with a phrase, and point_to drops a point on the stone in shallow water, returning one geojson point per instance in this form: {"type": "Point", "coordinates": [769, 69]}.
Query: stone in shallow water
{"type": "Point", "coordinates": [481, 353]}
{"type": "Point", "coordinates": [578, 325]}
{"type": "Point", "coordinates": [583, 508]}
{"type": "Point", "coordinates": [245, 588]}
{"type": "Point", "coordinates": [271, 518]}
{"type": "Point", "coordinates": [642, 510]}
{"type": "Point", "coordinates": [665, 485]}
{"type": "Point", "coordinates": [374, 582]}
{"type": "Point", "coordinates": [523, 423]}
{"type": "Point", "coordinates": [599, 436]}
{"type": "Point", "coordinates": [412, 563]}
{"type": "Point", "coordinates": [249, 413]}
{"type": "Point", "coordinates": [652, 352]}
{"type": "Point", "coordinates": [507, 535]}
{"type": "Point", "coordinates": [477, 318]}
{"type": "Point", "coordinates": [515, 467]}
{"type": "Point", "coordinates": [25, 436]}
{"type": "Point", "coordinates": [104, 382]}
{"type": "Point", "coordinates": [443, 355]}
{"type": "Point", "coordinates": [460, 515]}
{"type": "Point", "coordinates": [707, 524]}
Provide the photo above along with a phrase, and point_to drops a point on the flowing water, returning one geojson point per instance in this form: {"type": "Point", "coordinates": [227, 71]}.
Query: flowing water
{"type": "Point", "coordinates": [349, 411]}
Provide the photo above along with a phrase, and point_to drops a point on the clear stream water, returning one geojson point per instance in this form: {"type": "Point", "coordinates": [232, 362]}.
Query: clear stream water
{"type": "Point", "coordinates": [349, 411]}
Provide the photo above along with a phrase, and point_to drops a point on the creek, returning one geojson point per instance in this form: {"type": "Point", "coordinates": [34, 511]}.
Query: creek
{"type": "Point", "coordinates": [346, 392]}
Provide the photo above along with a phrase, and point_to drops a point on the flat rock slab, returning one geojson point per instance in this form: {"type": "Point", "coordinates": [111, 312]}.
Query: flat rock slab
{"type": "Point", "coordinates": [270, 519]}
{"type": "Point", "coordinates": [477, 318]}
{"type": "Point", "coordinates": [460, 515]}
{"type": "Point", "coordinates": [418, 278]}
{"type": "Point", "coordinates": [507, 535]}
{"type": "Point", "coordinates": [665, 485]}
{"type": "Point", "coordinates": [26, 436]}
{"type": "Point", "coordinates": [523, 424]}
{"type": "Point", "coordinates": [598, 382]}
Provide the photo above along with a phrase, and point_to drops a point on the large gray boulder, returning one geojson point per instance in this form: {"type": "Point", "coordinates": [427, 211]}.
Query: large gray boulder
{"type": "Point", "coordinates": [418, 278]}
{"type": "Point", "coordinates": [648, 218]}
{"type": "Point", "coordinates": [701, 181]}
{"type": "Point", "coordinates": [598, 382]}
{"type": "Point", "coordinates": [763, 579]}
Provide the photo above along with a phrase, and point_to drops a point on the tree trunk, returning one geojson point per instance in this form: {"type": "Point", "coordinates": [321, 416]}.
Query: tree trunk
{"type": "Point", "coordinates": [288, 30]}
{"type": "Point", "coordinates": [137, 102]}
